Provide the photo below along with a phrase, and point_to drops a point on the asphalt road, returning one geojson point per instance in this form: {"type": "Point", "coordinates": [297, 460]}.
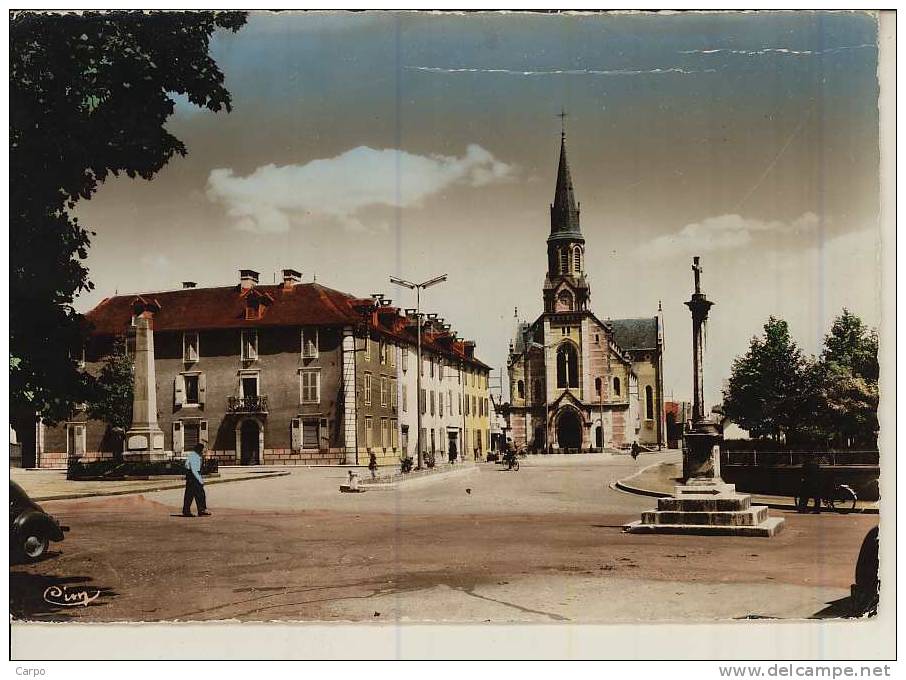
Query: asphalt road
{"type": "Point", "coordinates": [543, 544]}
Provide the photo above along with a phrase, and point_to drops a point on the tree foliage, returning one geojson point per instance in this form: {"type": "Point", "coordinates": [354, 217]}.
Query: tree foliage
{"type": "Point", "coordinates": [777, 392]}
{"type": "Point", "coordinates": [89, 96]}
{"type": "Point", "coordinates": [766, 391]}
{"type": "Point", "coordinates": [848, 370]}
{"type": "Point", "coordinates": [111, 396]}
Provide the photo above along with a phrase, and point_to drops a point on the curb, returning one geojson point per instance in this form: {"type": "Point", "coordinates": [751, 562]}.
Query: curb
{"type": "Point", "coordinates": [160, 487]}
{"type": "Point", "coordinates": [409, 481]}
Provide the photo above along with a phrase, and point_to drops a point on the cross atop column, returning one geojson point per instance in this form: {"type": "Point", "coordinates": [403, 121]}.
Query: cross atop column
{"type": "Point", "coordinates": [697, 269]}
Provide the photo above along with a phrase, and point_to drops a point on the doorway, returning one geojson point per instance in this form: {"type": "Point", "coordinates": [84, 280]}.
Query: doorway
{"type": "Point", "coordinates": [249, 449]}
{"type": "Point", "coordinates": [569, 430]}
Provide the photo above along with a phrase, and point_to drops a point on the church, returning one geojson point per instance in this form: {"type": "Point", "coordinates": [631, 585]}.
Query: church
{"type": "Point", "coordinates": [577, 382]}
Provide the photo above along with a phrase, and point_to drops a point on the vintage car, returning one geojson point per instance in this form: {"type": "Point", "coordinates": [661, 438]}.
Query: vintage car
{"type": "Point", "coordinates": [30, 528]}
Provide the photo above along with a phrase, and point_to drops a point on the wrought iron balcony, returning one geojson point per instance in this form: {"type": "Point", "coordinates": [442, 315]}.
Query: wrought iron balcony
{"type": "Point", "coordinates": [256, 404]}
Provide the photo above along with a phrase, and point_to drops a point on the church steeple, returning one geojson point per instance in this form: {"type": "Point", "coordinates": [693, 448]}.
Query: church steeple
{"type": "Point", "coordinates": [564, 212]}
{"type": "Point", "coordinates": [565, 286]}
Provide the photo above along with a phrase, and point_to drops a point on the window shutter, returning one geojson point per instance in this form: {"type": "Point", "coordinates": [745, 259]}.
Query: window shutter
{"type": "Point", "coordinates": [296, 434]}
{"type": "Point", "coordinates": [177, 437]}
{"type": "Point", "coordinates": [203, 431]}
{"type": "Point", "coordinates": [179, 390]}
{"type": "Point", "coordinates": [202, 385]}
{"type": "Point", "coordinates": [80, 440]}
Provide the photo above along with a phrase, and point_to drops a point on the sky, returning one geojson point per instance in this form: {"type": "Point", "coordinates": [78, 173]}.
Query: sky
{"type": "Point", "coordinates": [364, 145]}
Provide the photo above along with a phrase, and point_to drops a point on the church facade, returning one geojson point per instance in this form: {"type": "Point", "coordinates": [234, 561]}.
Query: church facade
{"type": "Point", "coordinates": [577, 382]}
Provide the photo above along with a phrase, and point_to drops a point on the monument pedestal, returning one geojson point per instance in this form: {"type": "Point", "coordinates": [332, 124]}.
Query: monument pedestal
{"type": "Point", "coordinates": [713, 510]}
{"type": "Point", "coordinates": [705, 504]}
{"type": "Point", "coordinates": [145, 445]}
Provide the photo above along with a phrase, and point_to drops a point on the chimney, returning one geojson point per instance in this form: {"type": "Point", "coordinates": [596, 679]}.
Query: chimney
{"type": "Point", "coordinates": [291, 277]}
{"type": "Point", "coordinates": [189, 284]}
{"type": "Point", "coordinates": [248, 278]}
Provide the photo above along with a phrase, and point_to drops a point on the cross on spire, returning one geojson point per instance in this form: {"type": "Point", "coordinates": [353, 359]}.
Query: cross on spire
{"type": "Point", "coordinates": [563, 115]}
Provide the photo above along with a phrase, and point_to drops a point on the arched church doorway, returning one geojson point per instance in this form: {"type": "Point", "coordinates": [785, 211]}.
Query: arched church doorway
{"type": "Point", "coordinates": [569, 430]}
{"type": "Point", "coordinates": [249, 442]}
{"type": "Point", "coordinates": [599, 436]}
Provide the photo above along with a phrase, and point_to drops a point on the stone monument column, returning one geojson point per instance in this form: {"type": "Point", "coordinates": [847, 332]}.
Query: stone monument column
{"type": "Point", "coordinates": [144, 439]}
{"type": "Point", "coordinates": [701, 450]}
{"type": "Point", "coordinates": [704, 504]}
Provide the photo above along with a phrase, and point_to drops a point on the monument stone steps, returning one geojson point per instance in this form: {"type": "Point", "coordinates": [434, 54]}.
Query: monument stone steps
{"type": "Point", "coordinates": [770, 527]}
{"type": "Point", "coordinates": [750, 517]}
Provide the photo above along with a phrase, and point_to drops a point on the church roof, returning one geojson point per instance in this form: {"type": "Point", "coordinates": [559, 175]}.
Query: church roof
{"type": "Point", "coordinates": [564, 211]}
{"type": "Point", "coordinates": [632, 334]}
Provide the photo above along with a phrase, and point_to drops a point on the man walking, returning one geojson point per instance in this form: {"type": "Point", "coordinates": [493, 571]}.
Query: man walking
{"type": "Point", "coordinates": [194, 484]}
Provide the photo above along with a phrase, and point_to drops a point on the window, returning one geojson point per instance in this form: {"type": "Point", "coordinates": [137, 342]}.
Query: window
{"type": "Point", "coordinates": [366, 350]}
{"type": "Point", "coordinates": [249, 345]}
{"type": "Point", "coordinates": [450, 401]}
{"type": "Point", "coordinates": [423, 401]}
{"type": "Point", "coordinates": [393, 389]}
{"type": "Point", "coordinates": [432, 402]}
{"type": "Point", "coordinates": [311, 434]}
{"type": "Point", "coordinates": [393, 434]}
{"type": "Point", "coordinates": [520, 389]}
{"type": "Point", "coordinates": [405, 357]}
{"type": "Point", "coordinates": [598, 387]}
{"type": "Point", "coordinates": [367, 389]}
{"type": "Point", "coordinates": [564, 331]}
{"type": "Point", "coordinates": [567, 365]}
{"type": "Point", "coordinates": [405, 396]}
{"type": "Point", "coordinates": [310, 387]}
{"type": "Point", "coordinates": [392, 355]}
{"type": "Point", "coordinates": [190, 347]}
{"type": "Point", "coordinates": [191, 435]}
{"type": "Point", "coordinates": [385, 432]}
{"type": "Point", "coordinates": [382, 352]}
{"type": "Point", "coordinates": [440, 403]}
{"type": "Point", "coordinates": [467, 404]}
{"type": "Point", "coordinates": [369, 434]}
{"type": "Point", "coordinates": [577, 259]}
{"type": "Point", "coordinates": [616, 386]}
{"type": "Point", "coordinates": [385, 391]}
{"type": "Point", "coordinates": [474, 406]}
{"type": "Point", "coordinates": [597, 339]}
{"type": "Point", "coordinates": [460, 405]}
{"type": "Point", "coordinates": [649, 402]}
{"type": "Point", "coordinates": [191, 383]}
{"type": "Point", "coordinates": [309, 343]}
{"type": "Point", "coordinates": [248, 385]}
{"type": "Point", "coordinates": [432, 367]}
{"type": "Point", "coordinates": [564, 261]}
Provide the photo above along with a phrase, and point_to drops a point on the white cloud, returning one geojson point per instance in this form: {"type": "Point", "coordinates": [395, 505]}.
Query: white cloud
{"type": "Point", "coordinates": [725, 232]}
{"type": "Point", "coordinates": [666, 70]}
{"type": "Point", "coordinates": [272, 197]}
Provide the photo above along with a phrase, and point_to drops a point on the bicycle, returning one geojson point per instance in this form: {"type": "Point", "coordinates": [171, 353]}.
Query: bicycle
{"type": "Point", "coordinates": [842, 501]}
{"type": "Point", "coordinates": [513, 464]}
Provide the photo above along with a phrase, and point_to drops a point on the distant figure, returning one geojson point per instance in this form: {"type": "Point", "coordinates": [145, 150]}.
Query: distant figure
{"type": "Point", "coordinates": [194, 484]}
{"type": "Point", "coordinates": [810, 485]}
{"type": "Point", "coordinates": [634, 450]}
{"type": "Point", "coordinates": [353, 481]}
{"type": "Point", "coordinates": [372, 465]}
{"type": "Point", "coordinates": [452, 452]}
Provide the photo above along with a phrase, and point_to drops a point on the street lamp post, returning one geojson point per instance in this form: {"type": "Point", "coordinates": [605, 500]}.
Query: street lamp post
{"type": "Point", "coordinates": [417, 287]}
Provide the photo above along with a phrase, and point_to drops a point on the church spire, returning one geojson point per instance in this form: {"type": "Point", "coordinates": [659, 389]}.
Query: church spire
{"type": "Point", "coordinates": [564, 211]}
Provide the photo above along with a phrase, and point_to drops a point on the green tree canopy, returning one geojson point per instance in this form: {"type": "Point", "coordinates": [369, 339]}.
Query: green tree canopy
{"type": "Point", "coordinates": [89, 96]}
{"type": "Point", "coordinates": [767, 392]}
{"type": "Point", "coordinates": [848, 368]}
{"type": "Point", "coordinates": [111, 395]}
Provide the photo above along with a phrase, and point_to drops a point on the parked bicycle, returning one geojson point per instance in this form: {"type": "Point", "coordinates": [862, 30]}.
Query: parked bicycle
{"type": "Point", "coordinates": [842, 499]}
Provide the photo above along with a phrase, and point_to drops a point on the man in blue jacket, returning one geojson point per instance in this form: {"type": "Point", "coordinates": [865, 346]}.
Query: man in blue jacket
{"type": "Point", "coordinates": [194, 484]}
